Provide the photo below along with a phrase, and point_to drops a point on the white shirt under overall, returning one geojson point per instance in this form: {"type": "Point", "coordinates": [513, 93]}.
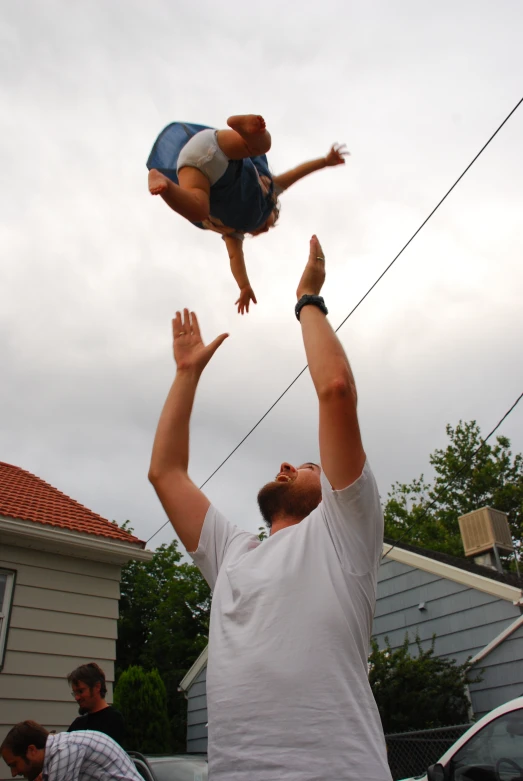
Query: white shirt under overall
{"type": "Point", "coordinates": [288, 695]}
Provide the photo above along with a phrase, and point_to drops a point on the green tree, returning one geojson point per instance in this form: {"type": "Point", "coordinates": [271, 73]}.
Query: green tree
{"type": "Point", "coordinates": [494, 477]}
{"type": "Point", "coordinates": [142, 699]}
{"type": "Point", "coordinates": [164, 624]}
{"type": "Point", "coordinates": [417, 692]}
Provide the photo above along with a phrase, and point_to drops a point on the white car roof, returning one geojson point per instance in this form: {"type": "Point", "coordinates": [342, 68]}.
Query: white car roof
{"type": "Point", "coordinates": [493, 714]}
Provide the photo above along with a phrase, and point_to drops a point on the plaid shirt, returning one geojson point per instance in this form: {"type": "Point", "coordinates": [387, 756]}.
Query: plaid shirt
{"type": "Point", "coordinates": [86, 756]}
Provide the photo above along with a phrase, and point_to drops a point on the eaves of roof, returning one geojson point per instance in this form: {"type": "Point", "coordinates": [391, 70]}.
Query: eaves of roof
{"type": "Point", "coordinates": [66, 542]}
{"type": "Point", "coordinates": [505, 585]}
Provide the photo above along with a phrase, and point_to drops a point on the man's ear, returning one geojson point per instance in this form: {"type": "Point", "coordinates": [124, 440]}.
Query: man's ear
{"type": "Point", "coordinates": [31, 752]}
{"type": "Point", "coordinates": [96, 688]}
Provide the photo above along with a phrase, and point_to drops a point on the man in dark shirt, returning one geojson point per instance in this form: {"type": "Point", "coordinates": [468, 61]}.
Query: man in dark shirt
{"type": "Point", "coordinates": [89, 689]}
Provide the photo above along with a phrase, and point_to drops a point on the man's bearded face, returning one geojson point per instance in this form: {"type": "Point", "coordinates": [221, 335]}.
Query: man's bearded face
{"type": "Point", "coordinates": [294, 493]}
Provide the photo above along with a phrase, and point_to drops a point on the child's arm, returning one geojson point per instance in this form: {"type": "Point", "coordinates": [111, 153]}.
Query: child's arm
{"type": "Point", "coordinates": [336, 156]}
{"type": "Point", "coordinates": [235, 250]}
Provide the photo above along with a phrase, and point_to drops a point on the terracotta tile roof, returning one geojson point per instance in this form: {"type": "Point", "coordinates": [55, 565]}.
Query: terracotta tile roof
{"type": "Point", "coordinates": [25, 496]}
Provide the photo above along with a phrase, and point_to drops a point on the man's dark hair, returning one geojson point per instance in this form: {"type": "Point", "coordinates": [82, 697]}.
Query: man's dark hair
{"type": "Point", "coordinates": [23, 735]}
{"type": "Point", "coordinates": [90, 674]}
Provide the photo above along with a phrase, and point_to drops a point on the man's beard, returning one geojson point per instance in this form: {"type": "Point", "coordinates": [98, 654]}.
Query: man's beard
{"type": "Point", "coordinates": [287, 499]}
{"type": "Point", "coordinates": [32, 771]}
{"type": "Point", "coordinates": [82, 711]}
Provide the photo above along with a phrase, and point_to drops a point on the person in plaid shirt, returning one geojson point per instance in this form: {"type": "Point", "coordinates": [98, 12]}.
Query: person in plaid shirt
{"type": "Point", "coordinates": [30, 750]}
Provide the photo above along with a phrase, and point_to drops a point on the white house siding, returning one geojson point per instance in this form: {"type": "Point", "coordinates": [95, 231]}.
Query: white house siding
{"type": "Point", "coordinates": [64, 614]}
{"type": "Point", "coordinates": [463, 619]}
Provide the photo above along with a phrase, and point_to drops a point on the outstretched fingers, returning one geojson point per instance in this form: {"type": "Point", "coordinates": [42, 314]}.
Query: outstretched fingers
{"type": "Point", "coordinates": [216, 343]}
{"type": "Point", "coordinates": [181, 324]}
{"type": "Point", "coordinates": [313, 276]}
{"type": "Point", "coordinates": [316, 253]}
{"type": "Point", "coordinates": [337, 154]}
{"type": "Point", "coordinates": [195, 325]}
{"type": "Point", "coordinates": [177, 324]}
{"type": "Point", "coordinates": [341, 149]}
{"type": "Point", "coordinates": [187, 325]}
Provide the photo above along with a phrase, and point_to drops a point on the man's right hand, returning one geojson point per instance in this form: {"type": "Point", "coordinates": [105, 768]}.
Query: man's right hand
{"type": "Point", "coordinates": [184, 503]}
{"type": "Point", "coordinates": [190, 353]}
{"type": "Point", "coordinates": [313, 276]}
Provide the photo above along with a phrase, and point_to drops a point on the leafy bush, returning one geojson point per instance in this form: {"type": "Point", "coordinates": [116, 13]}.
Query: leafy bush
{"type": "Point", "coordinates": [418, 692]}
{"type": "Point", "coordinates": [141, 697]}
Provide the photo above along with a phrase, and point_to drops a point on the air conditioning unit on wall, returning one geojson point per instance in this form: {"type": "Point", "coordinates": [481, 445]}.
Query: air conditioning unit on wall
{"type": "Point", "coordinates": [484, 530]}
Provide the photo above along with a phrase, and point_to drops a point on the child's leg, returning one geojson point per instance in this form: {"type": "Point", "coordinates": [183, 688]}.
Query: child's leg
{"type": "Point", "coordinates": [190, 198]}
{"type": "Point", "coordinates": [248, 137]}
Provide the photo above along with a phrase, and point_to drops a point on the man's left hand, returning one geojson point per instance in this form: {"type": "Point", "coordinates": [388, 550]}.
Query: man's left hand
{"type": "Point", "coordinates": [313, 276]}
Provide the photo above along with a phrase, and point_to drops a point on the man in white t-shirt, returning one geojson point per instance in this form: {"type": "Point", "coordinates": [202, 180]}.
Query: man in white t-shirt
{"type": "Point", "coordinates": [287, 684]}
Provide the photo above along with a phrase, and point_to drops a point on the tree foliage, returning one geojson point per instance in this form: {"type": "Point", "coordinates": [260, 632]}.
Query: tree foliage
{"type": "Point", "coordinates": [494, 477]}
{"type": "Point", "coordinates": [141, 697]}
{"type": "Point", "coordinates": [417, 692]}
{"type": "Point", "coordinates": [163, 625]}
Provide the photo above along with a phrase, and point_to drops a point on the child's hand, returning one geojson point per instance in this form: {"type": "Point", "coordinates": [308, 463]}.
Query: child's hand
{"type": "Point", "coordinates": [337, 155]}
{"type": "Point", "coordinates": [246, 296]}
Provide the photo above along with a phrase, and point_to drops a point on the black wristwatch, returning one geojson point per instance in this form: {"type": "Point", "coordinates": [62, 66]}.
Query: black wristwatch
{"type": "Point", "coordinates": [314, 300]}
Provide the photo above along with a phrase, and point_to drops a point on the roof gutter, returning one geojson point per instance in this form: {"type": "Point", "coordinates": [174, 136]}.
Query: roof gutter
{"type": "Point", "coordinates": [199, 664]}
{"type": "Point", "coordinates": [39, 536]}
{"type": "Point", "coordinates": [471, 579]}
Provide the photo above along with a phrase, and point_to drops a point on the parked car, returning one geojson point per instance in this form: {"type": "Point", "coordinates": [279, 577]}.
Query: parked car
{"type": "Point", "coordinates": [178, 767]}
{"type": "Point", "coordinates": [491, 750]}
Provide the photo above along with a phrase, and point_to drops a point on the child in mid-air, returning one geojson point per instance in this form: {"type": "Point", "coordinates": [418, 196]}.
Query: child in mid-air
{"type": "Point", "coordinates": [220, 180]}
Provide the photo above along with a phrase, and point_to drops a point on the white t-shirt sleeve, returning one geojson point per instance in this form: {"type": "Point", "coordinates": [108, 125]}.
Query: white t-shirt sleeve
{"type": "Point", "coordinates": [354, 520]}
{"type": "Point", "coordinates": [219, 539]}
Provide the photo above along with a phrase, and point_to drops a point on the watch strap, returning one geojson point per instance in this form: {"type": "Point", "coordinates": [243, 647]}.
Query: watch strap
{"type": "Point", "coordinates": [314, 301]}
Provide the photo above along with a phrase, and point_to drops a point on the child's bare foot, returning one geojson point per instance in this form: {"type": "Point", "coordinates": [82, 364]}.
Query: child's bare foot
{"type": "Point", "coordinates": [247, 124]}
{"type": "Point", "coordinates": [158, 183]}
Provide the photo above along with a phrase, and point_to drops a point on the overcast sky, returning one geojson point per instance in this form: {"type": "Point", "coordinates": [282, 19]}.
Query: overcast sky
{"type": "Point", "coordinates": [93, 268]}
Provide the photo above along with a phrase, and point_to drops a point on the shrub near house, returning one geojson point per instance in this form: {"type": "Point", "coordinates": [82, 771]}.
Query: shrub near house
{"type": "Point", "coordinates": [142, 699]}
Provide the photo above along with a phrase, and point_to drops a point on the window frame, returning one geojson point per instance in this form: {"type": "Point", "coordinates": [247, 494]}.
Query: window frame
{"type": "Point", "coordinates": [5, 611]}
{"type": "Point", "coordinates": [450, 764]}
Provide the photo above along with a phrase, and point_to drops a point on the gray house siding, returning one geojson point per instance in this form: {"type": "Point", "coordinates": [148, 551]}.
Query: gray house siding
{"type": "Point", "coordinates": [463, 619]}
{"type": "Point", "coordinates": [502, 673]}
{"type": "Point", "coordinates": [197, 715]}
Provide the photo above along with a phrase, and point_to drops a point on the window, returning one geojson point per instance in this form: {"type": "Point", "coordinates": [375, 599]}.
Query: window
{"type": "Point", "coordinates": [7, 582]}
{"type": "Point", "coordinates": [495, 753]}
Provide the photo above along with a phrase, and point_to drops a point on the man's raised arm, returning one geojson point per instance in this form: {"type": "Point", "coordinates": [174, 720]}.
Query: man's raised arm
{"type": "Point", "coordinates": [341, 450]}
{"type": "Point", "coordinates": [184, 503]}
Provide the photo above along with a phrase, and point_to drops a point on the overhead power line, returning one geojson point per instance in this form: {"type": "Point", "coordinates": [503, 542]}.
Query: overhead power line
{"type": "Point", "coordinates": [460, 471]}
{"type": "Point", "coordinates": [362, 299]}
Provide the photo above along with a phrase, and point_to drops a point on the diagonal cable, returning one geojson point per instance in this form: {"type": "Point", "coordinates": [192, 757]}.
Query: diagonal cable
{"type": "Point", "coordinates": [362, 299]}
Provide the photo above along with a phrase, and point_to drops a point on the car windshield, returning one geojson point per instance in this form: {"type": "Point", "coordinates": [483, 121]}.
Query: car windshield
{"type": "Point", "coordinates": [179, 768]}
{"type": "Point", "coordinates": [495, 753]}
